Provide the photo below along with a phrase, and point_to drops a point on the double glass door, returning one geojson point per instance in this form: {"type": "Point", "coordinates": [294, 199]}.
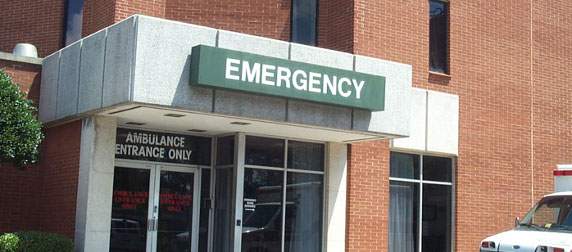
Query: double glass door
{"type": "Point", "coordinates": [155, 207]}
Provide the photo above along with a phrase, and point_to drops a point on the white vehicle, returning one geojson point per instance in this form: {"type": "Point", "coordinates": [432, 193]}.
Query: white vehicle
{"type": "Point", "coordinates": [547, 227]}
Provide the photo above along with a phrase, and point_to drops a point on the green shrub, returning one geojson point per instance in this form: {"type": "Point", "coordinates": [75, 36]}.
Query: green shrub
{"type": "Point", "coordinates": [20, 130]}
{"type": "Point", "coordinates": [33, 241]}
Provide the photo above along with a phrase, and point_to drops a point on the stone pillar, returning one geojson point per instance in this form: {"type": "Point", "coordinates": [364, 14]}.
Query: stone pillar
{"type": "Point", "coordinates": [336, 197]}
{"type": "Point", "coordinates": [95, 184]}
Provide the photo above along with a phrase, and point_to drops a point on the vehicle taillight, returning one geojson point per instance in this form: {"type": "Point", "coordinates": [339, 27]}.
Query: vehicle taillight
{"type": "Point", "coordinates": [558, 250]}
{"type": "Point", "coordinates": [487, 244]}
{"type": "Point", "coordinates": [562, 172]}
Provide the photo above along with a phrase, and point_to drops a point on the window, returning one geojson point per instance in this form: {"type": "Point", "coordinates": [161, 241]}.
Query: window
{"type": "Point", "coordinates": [73, 18]}
{"type": "Point", "coordinates": [303, 22]}
{"type": "Point", "coordinates": [420, 203]}
{"type": "Point", "coordinates": [438, 39]}
{"type": "Point", "coordinates": [283, 195]}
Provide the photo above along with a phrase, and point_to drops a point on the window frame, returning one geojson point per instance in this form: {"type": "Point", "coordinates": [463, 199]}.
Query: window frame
{"type": "Point", "coordinates": [292, 23]}
{"type": "Point", "coordinates": [66, 20]}
{"type": "Point", "coordinates": [422, 182]}
{"type": "Point", "coordinates": [285, 173]}
{"type": "Point", "coordinates": [447, 67]}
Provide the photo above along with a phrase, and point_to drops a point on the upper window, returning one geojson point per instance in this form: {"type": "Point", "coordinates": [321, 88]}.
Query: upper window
{"type": "Point", "coordinates": [303, 23]}
{"type": "Point", "coordinates": [73, 19]}
{"type": "Point", "coordinates": [438, 39]}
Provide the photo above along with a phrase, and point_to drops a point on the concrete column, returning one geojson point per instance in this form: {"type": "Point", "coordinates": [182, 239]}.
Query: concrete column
{"type": "Point", "coordinates": [336, 197]}
{"type": "Point", "coordinates": [95, 184]}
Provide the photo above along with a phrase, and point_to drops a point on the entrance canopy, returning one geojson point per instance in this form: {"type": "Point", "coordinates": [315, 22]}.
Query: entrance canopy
{"type": "Point", "coordinates": [143, 72]}
{"type": "Point", "coordinates": [166, 119]}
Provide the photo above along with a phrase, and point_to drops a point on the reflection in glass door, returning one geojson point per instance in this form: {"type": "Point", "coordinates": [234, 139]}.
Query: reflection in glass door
{"type": "Point", "coordinates": [154, 208]}
{"type": "Point", "coordinates": [129, 216]}
{"type": "Point", "coordinates": [174, 230]}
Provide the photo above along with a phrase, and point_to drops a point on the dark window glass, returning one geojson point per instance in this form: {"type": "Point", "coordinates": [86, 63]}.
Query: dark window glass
{"type": "Point", "coordinates": [437, 168]}
{"type": "Point", "coordinates": [223, 210]}
{"type": "Point", "coordinates": [305, 156]}
{"type": "Point", "coordinates": [225, 150]}
{"type": "Point", "coordinates": [403, 216]}
{"type": "Point", "coordinates": [438, 41]}
{"type": "Point", "coordinates": [175, 211]}
{"type": "Point", "coordinates": [204, 214]}
{"type": "Point", "coordinates": [304, 13]}
{"type": "Point", "coordinates": [129, 209]}
{"type": "Point", "coordinates": [403, 165]}
{"type": "Point", "coordinates": [201, 147]}
{"type": "Point", "coordinates": [262, 210]}
{"type": "Point", "coordinates": [436, 218]}
{"type": "Point", "coordinates": [73, 19]}
{"type": "Point", "coordinates": [304, 210]}
{"type": "Point", "coordinates": [264, 151]}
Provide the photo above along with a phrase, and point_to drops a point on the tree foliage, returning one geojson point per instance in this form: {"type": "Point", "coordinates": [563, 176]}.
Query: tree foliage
{"type": "Point", "coordinates": [20, 130]}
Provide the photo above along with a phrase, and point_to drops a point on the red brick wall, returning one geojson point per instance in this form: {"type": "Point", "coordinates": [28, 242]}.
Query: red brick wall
{"type": "Point", "coordinates": [367, 196]}
{"type": "Point", "coordinates": [59, 162]}
{"type": "Point", "coordinates": [491, 71]}
{"type": "Point", "coordinates": [257, 17]}
{"type": "Point", "coordinates": [19, 190]}
{"type": "Point", "coordinates": [514, 90]}
{"type": "Point", "coordinates": [335, 25]}
{"type": "Point", "coordinates": [19, 198]}
{"type": "Point", "coordinates": [25, 74]}
{"type": "Point", "coordinates": [42, 197]}
{"type": "Point", "coordinates": [97, 14]}
{"type": "Point", "coordinates": [552, 86]}
{"type": "Point", "coordinates": [31, 21]}
{"type": "Point", "coordinates": [127, 8]}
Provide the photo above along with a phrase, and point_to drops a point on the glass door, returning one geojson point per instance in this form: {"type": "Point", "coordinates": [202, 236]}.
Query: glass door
{"type": "Point", "coordinates": [130, 209]}
{"type": "Point", "coordinates": [177, 224]}
{"type": "Point", "coordinates": [155, 208]}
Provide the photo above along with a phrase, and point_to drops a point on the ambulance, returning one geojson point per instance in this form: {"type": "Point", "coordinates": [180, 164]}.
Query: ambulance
{"type": "Point", "coordinates": [547, 227]}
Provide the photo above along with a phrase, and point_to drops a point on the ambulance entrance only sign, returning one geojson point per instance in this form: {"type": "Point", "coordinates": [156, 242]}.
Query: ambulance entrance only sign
{"type": "Point", "coordinates": [234, 70]}
{"type": "Point", "coordinates": [162, 147]}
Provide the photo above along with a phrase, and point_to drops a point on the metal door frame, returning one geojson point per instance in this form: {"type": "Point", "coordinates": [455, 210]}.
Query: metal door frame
{"type": "Point", "coordinates": [154, 187]}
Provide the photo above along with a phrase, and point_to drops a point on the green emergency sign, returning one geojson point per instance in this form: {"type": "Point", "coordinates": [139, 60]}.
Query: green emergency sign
{"type": "Point", "coordinates": [247, 72]}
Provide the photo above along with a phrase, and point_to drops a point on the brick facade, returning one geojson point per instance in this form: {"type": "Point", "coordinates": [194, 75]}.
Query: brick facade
{"type": "Point", "coordinates": [27, 75]}
{"type": "Point", "coordinates": [367, 213]}
{"type": "Point", "coordinates": [43, 196]}
{"type": "Point", "coordinates": [514, 97]}
{"type": "Point", "coordinates": [19, 191]}
{"type": "Point", "coordinates": [31, 21]}
{"type": "Point", "coordinates": [335, 25]}
{"type": "Point", "coordinates": [490, 71]}
{"type": "Point", "coordinates": [552, 90]}
{"type": "Point", "coordinates": [19, 197]}
{"type": "Point", "coordinates": [97, 14]}
{"type": "Point", "coordinates": [509, 64]}
{"type": "Point", "coordinates": [59, 162]}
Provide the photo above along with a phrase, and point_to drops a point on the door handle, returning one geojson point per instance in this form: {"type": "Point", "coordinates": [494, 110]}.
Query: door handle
{"type": "Point", "coordinates": [152, 224]}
